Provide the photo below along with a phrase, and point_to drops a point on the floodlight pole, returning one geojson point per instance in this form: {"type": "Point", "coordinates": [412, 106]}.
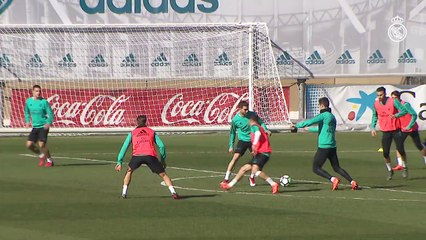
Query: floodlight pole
{"type": "Point", "coordinates": [301, 83]}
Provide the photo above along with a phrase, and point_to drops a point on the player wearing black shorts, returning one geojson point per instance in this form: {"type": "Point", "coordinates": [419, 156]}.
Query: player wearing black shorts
{"type": "Point", "coordinates": [143, 140]}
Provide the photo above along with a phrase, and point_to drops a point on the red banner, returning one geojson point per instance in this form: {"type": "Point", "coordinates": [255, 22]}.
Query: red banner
{"type": "Point", "coordinates": [119, 108]}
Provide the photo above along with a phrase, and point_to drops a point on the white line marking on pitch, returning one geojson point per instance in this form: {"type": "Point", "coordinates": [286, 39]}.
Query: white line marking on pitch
{"type": "Point", "coordinates": [216, 172]}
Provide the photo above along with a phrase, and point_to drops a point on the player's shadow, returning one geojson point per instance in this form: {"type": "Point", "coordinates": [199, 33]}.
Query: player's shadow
{"type": "Point", "coordinates": [287, 190]}
{"type": "Point", "coordinates": [79, 164]}
{"type": "Point", "coordinates": [197, 196]}
{"type": "Point", "coordinates": [384, 187]}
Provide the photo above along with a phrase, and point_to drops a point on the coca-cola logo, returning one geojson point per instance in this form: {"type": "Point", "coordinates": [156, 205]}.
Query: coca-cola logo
{"type": "Point", "coordinates": [219, 110]}
{"type": "Point", "coordinates": [100, 110]}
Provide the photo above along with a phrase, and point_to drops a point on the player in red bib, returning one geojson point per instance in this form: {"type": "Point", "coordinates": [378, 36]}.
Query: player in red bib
{"type": "Point", "coordinates": [143, 140]}
{"type": "Point", "coordinates": [261, 150]}
{"type": "Point", "coordinates": [385, 112]}
{"type": "Point", "coordinates": [410, 128]}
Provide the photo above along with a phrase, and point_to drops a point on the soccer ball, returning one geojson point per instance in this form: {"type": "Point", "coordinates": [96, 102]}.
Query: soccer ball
{"type": "Point", "coordinates": [285, 180]}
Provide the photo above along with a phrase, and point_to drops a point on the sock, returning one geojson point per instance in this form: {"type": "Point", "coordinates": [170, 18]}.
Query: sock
{"type": "Point", "coordinates": [49, 160]}
{"type": "Point", "coordinates": [403, 163]}
{"type": "Point", "coordinates": [172, 190]}
{"type": "Point", "coordinates": [227, 175]}
{"type": "Point", "coordinates": [270, 181]}
{"type": "Point", "coordinates": [353, 182]}
{"type": "Point", "coordinates": [252, 175]}
{"type": "Point", "coordinates": [232, 183]}
{"type": "Point", "coordinates": [388, 166]}
{"type": "Point", "coordinates": [41, 155]}
{"type": "Point", "coordinates": [424, 157]}
{"type": "Point", "coordinates": [124, 192]}
{"type": "Point", "coordinates": [257, 173]}
{"type": "Point", "coordinates": [399, 161]}
{"type": "Point", "coordinates": [332, 179]}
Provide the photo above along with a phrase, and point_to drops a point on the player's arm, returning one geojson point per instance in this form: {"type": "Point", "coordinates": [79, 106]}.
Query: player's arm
{"type": "Point", "coordinates": [49, 112]}
{"type": "Point", "coordinates": [317, 119]}
{"type": "Point", "coordinates": [123, 151]}
{"type": "Point", "coordinates": [27, 114]}
{"type": "Point", "coordinates": [255, 144]}
{"type": "Point", "coordinates": [374, 119]}
{"type": "Point", "coordinates": [264, 127]}
{"type": "Point", "coordinates": [232, 134]}
{"type": "Point", "coordinates": [314, 129]}
{"type": "Point", "coordinates": [161, 148]}
{"type": "Point", "coordinates": [402, 110]}
{"type": "Point", "coordinates": [413, 114]}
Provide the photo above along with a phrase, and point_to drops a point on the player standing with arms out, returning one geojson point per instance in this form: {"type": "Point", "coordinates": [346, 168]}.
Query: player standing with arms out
{"type": "Point", "coordinates": [39, 115]}
{"type": "Point", "coordinates": [240, 125]}
{"type": "Point", "coordinates": [327, 145]}
{"type": "Point", "coordinates": [410, 128]}
{"type": "Point", "coordinates": [261, 154]}
{"type": "Point", "coordinates": [385, 112]}
{"type": "Point", "coordinates": [143, 140]}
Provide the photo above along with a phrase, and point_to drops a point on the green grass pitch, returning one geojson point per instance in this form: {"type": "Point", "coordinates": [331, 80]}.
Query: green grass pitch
{"type": "Point", "coordinates": [79, 198]}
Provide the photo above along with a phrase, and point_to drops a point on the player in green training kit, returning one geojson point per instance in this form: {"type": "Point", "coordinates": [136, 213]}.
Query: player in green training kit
{"type": "Point", "coordinates": [143, 140]}
{"type": "Point", "coordinates": [261, 153]}
{"type": "Point", "coordinates": [240, 124]}
{"type": "Point", "coordinates": [39, 115]}
{"type": "Point", "coordinates": [326, 144]}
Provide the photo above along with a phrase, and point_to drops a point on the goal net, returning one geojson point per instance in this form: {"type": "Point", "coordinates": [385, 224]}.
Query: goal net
{"type": "Point", "coordinates": [187, 77]}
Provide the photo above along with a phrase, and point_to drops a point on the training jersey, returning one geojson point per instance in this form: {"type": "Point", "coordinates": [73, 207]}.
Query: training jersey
{"type": "Point", "coordinates": [240, 124]}
{"type": "Point", "coordinates": [263, 146]}
{"type": "Point", "coordinates": [408, 121]}
{"type": "Point", "coordinates": [38, 112]}
{"type": "Point", "coordinates": [326, 128]}
{"type": "Point", "coordinates": [382, 113]}
{"type": "Point", "coordinates": [143, 140]}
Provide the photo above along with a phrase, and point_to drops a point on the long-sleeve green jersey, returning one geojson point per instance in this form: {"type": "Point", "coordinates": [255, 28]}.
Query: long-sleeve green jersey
{"type": "Point", "coordinates": [38, 112]}
{"type": "Point", "coordinates": [128, 141]}
{"type": "Point", "coordinates": [326, 128]}
{"type": "Point", "coordinates": [240, 126]}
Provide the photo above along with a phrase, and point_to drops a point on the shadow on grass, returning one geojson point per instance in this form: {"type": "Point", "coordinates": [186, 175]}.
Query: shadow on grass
{"type": "Point", "coordinates": [79, 164]}
{"type": "Point", "coordinates": [182, 197]}
{"type": "Point", "coordinates": [384, 187]}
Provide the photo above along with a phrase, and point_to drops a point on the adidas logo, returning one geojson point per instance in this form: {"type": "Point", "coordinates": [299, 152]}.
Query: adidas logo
{"type": "Point", "coordinates": [345, 58]}
{"type": "Point", "coordinates": [223, 60]}
{"type": "Point", "coordinates": [35, 62]}
{"type": "Point", "coordinates": [376, 57]}
{"type": "Point", "coordinates": [98, 61]}
{"type": "Point", "coordinates": [4, 61]}
{"type": "Point", "coordinates": [315, 58]}
{"type": "Point", "coordinates": [191, 61]}
{"type": "Point", "coordinates": [129, 61]}
{"type": "Point", "coordinates": [67, 61]}
{"type": "Point", "coordinates": [407, 57]}
{"type": "Point", "coordinates": [160, 61]}
{"type": "Point", "coordinates": [285, 59]}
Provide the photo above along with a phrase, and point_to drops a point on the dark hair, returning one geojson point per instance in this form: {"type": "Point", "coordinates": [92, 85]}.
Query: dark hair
{"type": "Point", "coordinates": [141, 119]}
{"type": "Point", "coordinates": [324, 101]}
{"type": "Point", "coordinates": [396, 94]}
{"type": "Point", "coordinates": [381, 89]}
{"type": "Point", "coordinates": [243, 104]}
{"type": "Point", "coordinates": [36, 86]}
{"type": "Point", "coordinates": [254, 117]}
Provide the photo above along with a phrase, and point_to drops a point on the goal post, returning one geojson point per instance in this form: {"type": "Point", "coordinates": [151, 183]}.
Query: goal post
{"type": "Point", "coordinates": [99, 78]}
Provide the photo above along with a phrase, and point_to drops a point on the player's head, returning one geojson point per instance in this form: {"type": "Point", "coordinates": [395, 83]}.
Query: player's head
{"type": "Point", "coordinates": [396, 95]}
{"type": "Point", "coordinates": [254, 119]}
{"type": "Point", "coordinates": [324, 103]}
{"type": "Point", "coordinates": [141, 120]}
{"type": "Point", "coordinates": [36, 91]}
{"type": "Point", "coordinates": [381, 93]}
{"type": "Point", "coordinates": [244, 107]}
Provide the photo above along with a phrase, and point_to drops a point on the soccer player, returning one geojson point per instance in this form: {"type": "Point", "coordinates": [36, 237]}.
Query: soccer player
{"type": "Point", "coordinates": [240, 124]}
{"type": "Point", "coordinates": [261, 153]}
{"type": "Point", "coordinates": [326, 144]}
{"type": "Point", "coordinates": [39, 115]}
{"type": "Point", "coordinates": [410, 128]}
{"type": "Point", "coordinates": [143, 140]}
{"type": "Point", "coordinates": [385, 112]}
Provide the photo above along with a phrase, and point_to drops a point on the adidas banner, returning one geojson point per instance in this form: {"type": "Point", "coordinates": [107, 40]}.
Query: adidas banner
{"type": "Point", "coordinates": [352, 105]}
{"type": "Point", "coordinates": [332, 38]}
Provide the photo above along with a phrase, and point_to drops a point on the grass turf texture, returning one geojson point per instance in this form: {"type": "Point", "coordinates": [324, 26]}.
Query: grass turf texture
{"type": "Point", "coordinates": [79, 197]}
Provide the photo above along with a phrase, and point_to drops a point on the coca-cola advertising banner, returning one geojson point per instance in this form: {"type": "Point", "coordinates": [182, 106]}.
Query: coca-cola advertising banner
{"type": "Point", "coordinates": [119, 108]}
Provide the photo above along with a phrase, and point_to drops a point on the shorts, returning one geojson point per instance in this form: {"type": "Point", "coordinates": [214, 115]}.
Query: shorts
{"type": "Point", "coordinates": [38, 135]}
{"type": "Point", "coordinates": [242, 147]}
{"type": "Point", "coordinates": [151, 161]}
{"type": "Point", "coordinates": [259, 160]}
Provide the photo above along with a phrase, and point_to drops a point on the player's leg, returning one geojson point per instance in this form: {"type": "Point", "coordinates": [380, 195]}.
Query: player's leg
{"type": "Point", "coordinates": [259, 162]}
{"type": "Point", "coordinates": [334, 160]}
{"type": "Point", "coordinates": [42, 142]}
{"type": "Point", "coordinates": [416, 139]}
{"type": "Point", "coordinates": [239, 152]}
{"type": "Point", "coordinates": [32, 139]}
{"type": "Point", "coordinates": [319, 159]}
{"type": "Point", "coordinates": [134, 164]}
{"type": "Point", "coordinates": [245, 168]}
{"type": "Point", "coordinates": [158, 168]}
{"type": "Point", "coordinates": [399, 142]}
{"type": "Point", "coordinates": [400, 164]}
{"type": "Point", "coordinates": [386, 144]}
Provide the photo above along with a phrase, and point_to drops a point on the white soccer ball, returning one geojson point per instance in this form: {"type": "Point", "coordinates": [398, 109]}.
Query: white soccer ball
{"type": "Point", "coordinates": [285, 180]}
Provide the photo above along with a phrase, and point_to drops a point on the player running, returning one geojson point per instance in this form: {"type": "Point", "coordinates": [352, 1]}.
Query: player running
{"type": "Point", "coordinates": [143, 140]}
{"type": "Point", "coordinates": [410, 128]}
{"type": "Point", "coordinates": [240, 124]}
{"type": "Point", "coordinates": [261, 153]}
{"type": "Point", "coordinates": [327, 144]}
{"type": "Point", "coordinates": [39, 115]}
{"type": "Point", "coordinates": [385, 112]}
